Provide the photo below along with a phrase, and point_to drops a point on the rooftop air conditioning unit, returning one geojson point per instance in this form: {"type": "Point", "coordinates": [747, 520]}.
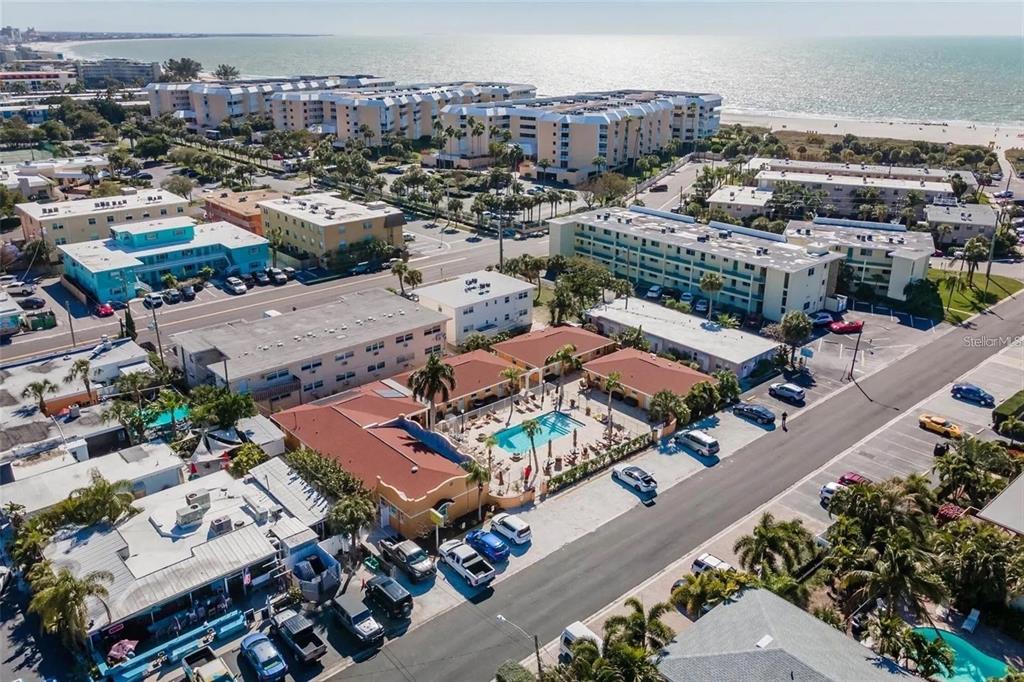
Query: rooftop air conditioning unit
{"type": "Point", "coordinates": [190, 515]}
{"type": "Point", "coordinates": [200, 498]}
{"type": "Point", "coordinates": [221, 524]}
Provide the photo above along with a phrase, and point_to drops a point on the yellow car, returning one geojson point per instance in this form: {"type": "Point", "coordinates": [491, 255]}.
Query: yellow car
{"type": "Point", "coordinates": [939, 425]}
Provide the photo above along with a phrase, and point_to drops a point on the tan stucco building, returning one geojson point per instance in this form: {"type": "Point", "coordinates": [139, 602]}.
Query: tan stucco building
{"type": "Point", "coordinates": [240, 208]}
{"type": "Point", "coordinates": [322, 224]}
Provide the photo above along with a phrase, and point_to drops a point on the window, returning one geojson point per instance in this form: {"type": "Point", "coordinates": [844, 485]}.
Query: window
{"type": "Point", "coordinates": [432, 330]}
{"type": "Point", "coordinates": [279, 374]}
{"type": "Point", "coordinates": [403, 339]}
{"type": "Point", "coordinates": [375, 347]}
{"type": "Point", "coordinates": [434, 350]}
{"type": "Point", "coordinates": [347, 376]}
{"type": "Point", "coordinates": [468, 328]}
{"type": "Point", "coordinates": [181, 210]}
{"type": "Point", "coordinates": [163, 211]}
{"type": "Point", "coordinates": [522, 294]}
{"type": "Point", "coordinates": [92, 221]}
{"type": "Point", "coordinates": [319, 383]}
{"type": "Point", "coordinates": [344, 356]}
{"type": "Point", "coordinates": [468, 311]}
{"type": "Point", "coordinates": [110, 218]}
{"type": "Point", "coordinates": [375, 367]}
{"type": "Point", "coordinates": [312, 366]}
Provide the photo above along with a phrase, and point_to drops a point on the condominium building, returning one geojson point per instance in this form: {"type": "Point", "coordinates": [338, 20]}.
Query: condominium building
{"type": "Point", "coordinates": [860, 170]}
{"type": "Point", "coordinates": [35, 81]}
{"type": "Point", "coordinates": [140, 255]}
{"type": "Point", "coordinates": [297, 357]}
{"type": "Point", "coordinates": [240, 208]}
{"type": "Point", "coordinates": [98, 73]}
{"type": "Point", "coordinates": [369, 114]}
{"type": "Point", "coordinates": [29, 186]}
{"type": "Point", "coordinates": [60, 172]}
{"type": "Point", "coordinates": [564, 135]}
{"type": "Point", "coordinates": [884, 256]}
{"type": "Point", "coordinates": [480, 303]}
{"type": "Point", "coordinates": [740, 202]}
{"type": "Point", "coordinates": [70, 222]}
{"type": "Point", "coordinates": [846, 193]}
{"type": "Point", "coordinates": [206, 104]}
{"type": "Point", "coordinates": [954, 225]}
{"type": "Point", "coordinates": [321, 224]}
{"type": "Point", "coordinates": [761, 272]}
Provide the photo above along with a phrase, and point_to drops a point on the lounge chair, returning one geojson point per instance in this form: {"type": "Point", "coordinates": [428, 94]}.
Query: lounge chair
{"type": "Point", "coordinates": [971, 621]}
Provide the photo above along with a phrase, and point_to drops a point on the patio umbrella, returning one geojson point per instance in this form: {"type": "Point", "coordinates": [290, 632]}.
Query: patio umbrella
{"type": "Point", "coordinates": [549, 449]}
{"type": "Point", "coordinates": [575, 432]}
{"type": "Point", "coordinates": [122, 650]}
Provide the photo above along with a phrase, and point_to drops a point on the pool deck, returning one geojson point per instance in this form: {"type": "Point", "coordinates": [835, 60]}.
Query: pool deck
{"type": "Point", "coordinates": [509, 468]}
{"type": "Point", "coordinates": [986, 639]}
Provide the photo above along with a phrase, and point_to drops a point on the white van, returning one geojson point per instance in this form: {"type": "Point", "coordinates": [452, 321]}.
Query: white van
{"type": "Point", "coordinates": [19, 288]}
{"type": "Point", "coordinates": [699, 441]}
{"type": "Point", "coordinates": [573, 633]}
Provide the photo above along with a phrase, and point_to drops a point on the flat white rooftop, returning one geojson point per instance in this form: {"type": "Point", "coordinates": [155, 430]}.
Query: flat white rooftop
{"type": "Point", "coordinates": [146, 198]}
{"type": "Point", "coordinates": [474, 287]}
{"type": "Point", "coordinates": [854, 181]}
{"type": "Point", "coordinates": [101, 255]}
{"type": "Point", "coordinates": [325, 209]}
{"type": "Point", "coordinates": [859, 234]}
{"type": "Point", "coordinates": [154, 559]}
{"type": "Point", "coordinates": [733, 345]}
{"type": "Point", "coordinates": [876, 170]}
{"type": "Point", "coordinates": [42, 481]}
{"type": "Point", "coordinates": [741, 196]}
{"type": "Point", "coordinates": [982, 215]}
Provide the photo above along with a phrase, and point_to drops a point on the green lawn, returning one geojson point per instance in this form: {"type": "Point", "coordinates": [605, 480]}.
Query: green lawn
{"type": "Point", "coordinates": [969, 299]}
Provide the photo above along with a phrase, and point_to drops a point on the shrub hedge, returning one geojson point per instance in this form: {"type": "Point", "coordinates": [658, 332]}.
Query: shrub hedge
{"type": "Point", "coordinates": [584, 469]}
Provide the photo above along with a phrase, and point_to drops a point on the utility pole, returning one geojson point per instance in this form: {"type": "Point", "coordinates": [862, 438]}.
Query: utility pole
{"type": "Point", "coordinates": [992, 247]}
{"type": "Point", "coordinates": [71, 323]}
{"type": "Point", "coordinates": [856, 346]}
{"type": "Point", "coordinates": [156, 328]}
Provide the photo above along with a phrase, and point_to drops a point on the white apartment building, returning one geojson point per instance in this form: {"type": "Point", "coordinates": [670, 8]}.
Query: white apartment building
{"type": "Point", "coordinates": [567, 133]}
{"type": "Point", "coordinates": [206, 104]}
{"type": "Point", "coordinates": [70, 222]}
{"type": "Point", "coordinates": [883, 256]}
{"type": "Point", "coordinates": [480, 303]}
{"type": "Point", "coordinates": [846, 193]}
{"type": "Point", "coordinates": [36, 81]}
{"type": "Point", "coordinates": [858, 170]}
{"type": "Point", "coordinates": [740, 202]}
{"type": "Point", "coordinates": [762, 273]}
{"type": "Point", "coordinates": [954, 225]}
{"type": "Point", "coordinates": [369, 114]}
{"type": "Point", "coordinates": [297, 357]}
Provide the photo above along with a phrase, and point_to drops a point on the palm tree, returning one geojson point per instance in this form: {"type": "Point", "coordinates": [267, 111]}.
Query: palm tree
{"type": "Point", "coordinates": [641, 628]}
{"type": "Point", "coordinates": [612, 383]}
{"type": "Point", "coordinates": [901, 573]}
{"type": "Point", "coordinates": [512, 375]}
{"type": "Point", "coordinates": [771, 542]}
{"type": "Point", "coordinates": [125, 413]}
{"type": "Point", "coordinates": [889, 632]}
{"type": "Point", "coordinates": [172, 403]}
{"type": "Point", "coordinates": [37, 390]}
{"type": "Point", "coordinates": [413, 278]}
{"type": "Point", "coordinates": [435, 377]}
{"type": "Point", "coordinates": [480, 476]}
{"type": "Point", "coordinates": [699, 593]}
{"type": "Point", "coordinates": [490, 443]}
{"type": "Point", "coordinates": [711, 283]}
{"type": "Point", "coordinates": [665, 405]}
{"type": "Point", "coordinates": [531, 428]}
{"type": "Point", "coordinates": [787, 587]}
{"type": "Point", "coordinates": [727, 321]}
{"type": "Point", "coordinates": [102, 500]}
{"type": "Point", "coordinates": [633, 337]}
{"type": "Point", "coordinates": [702, 399]}
{"type": "Point", "coordinates": [399, 270]}
{"type": "Point", "coordinates": [567, 361]}
{"type": "Point", "coordinates": [729, 388]}
{"type": "Point", "coordinates": [351, 513]}
{"type": "Point", "coordinates": [80, 370]}
{"type": "Point", "coordinates": [1012, 428]}
{"type": "Point", "coordinates": [61, 606]}
{"type": "Point", "coordinates": [90, 171]}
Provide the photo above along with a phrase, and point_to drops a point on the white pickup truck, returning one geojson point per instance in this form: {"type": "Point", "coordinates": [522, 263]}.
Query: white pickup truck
{"type": "Point", "coordinates": [465, 561]}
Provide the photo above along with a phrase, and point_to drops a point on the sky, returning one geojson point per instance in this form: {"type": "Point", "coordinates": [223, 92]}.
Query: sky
{"type": "Point", "coordinates": [391, 17]}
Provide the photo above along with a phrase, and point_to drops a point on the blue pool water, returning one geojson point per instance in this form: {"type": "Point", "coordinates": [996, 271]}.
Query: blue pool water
{"type": "Point", "coordinates": [552, 425]}
{"type": "Point", "coordinates": [969, 664]}
{"type": "Point", "coordinates": [164, 418]}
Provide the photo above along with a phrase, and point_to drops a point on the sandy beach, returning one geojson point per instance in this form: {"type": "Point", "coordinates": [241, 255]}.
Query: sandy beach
{"type": "Point", "coordinates": [1001, 137]}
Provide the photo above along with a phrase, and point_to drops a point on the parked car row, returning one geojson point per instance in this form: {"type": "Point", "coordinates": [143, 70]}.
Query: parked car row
{"type": "Point", "coordinates": [829, 490]}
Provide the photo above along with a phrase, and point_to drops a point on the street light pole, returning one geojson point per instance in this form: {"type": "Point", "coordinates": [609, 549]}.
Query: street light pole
{"type": "Point", "coordinates": [536, 643]}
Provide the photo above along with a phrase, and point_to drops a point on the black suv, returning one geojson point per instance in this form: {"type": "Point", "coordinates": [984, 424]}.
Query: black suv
{"type": "Point", "coordinates": [389, 595]}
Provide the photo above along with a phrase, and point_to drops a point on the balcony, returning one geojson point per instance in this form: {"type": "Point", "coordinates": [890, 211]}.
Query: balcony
{"type": "Point", "coordinates": [276, 390]}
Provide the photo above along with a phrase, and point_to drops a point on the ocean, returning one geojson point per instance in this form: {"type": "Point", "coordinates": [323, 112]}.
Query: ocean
{"type": "Point", "coordinates": [934, 79]}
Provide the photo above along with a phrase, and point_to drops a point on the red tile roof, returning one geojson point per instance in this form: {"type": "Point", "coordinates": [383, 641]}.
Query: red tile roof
{"type": "Point", "coordinates": [534, 348]}
{"type": "Point", "coordinates": [646, 372]}
{"type": "Point", "coordinates": [345, 431]}
{"type": "Point", "coordinates": [474, 371]}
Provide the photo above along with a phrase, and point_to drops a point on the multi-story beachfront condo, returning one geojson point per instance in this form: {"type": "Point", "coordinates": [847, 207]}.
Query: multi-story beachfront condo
{"type": "Point", "coordinates": [884, 256]}
{"type": "Point", "coordinates": [297, 357]}
{"type": "Point", "coordinates": [845, 194]}
{"type": "Point", "coordinates": [369, 114]}
{"type": "Point", "coordinates": [322, 224]}
{"type": "Point", "coordinates": [69, 222]}
{"type": "Point", "coordinates": [859, 170]}
{"type": "Point", "coordinates": [205, 105]}
{"type": "Point", "coordinates": [97, 73]}
{"type": "Point", "coordinates": [564, 135]}
{"type": "Point", "coordinates": [762, 273]}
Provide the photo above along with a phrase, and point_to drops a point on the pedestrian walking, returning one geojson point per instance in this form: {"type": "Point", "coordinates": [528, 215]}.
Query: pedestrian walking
{"type": "Point", "coordinates": [784, 415]}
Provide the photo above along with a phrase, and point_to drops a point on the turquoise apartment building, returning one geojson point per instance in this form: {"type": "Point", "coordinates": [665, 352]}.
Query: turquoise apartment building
{"type": "Point", "coordinates": [137, 256]}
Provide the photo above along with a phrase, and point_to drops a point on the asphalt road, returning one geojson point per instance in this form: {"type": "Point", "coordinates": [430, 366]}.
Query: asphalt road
{"type": "Point", "coordinates": [212, 308]}
{"type": "Point", "coordinates": [468, 643]}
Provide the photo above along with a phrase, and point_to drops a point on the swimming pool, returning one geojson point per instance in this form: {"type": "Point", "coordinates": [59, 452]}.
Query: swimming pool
{"type": "Point", "coordinates": [969, 664]}
{"type": "Point", "coordinates": [552, 425]}
{"type": "Point", "coordinates": [164, 418]}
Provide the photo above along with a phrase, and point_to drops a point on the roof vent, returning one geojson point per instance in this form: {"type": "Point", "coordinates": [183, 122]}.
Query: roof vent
{"type": "Point", "coordinates": [764, 642]}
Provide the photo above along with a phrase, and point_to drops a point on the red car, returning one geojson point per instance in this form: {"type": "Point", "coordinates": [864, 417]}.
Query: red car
{"type": "Point", "coordinates": [844, 327]}
{"type": "Point", "coordinates": [853, 478]}
{"type": "Point", "coordinates": [104, 310]}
